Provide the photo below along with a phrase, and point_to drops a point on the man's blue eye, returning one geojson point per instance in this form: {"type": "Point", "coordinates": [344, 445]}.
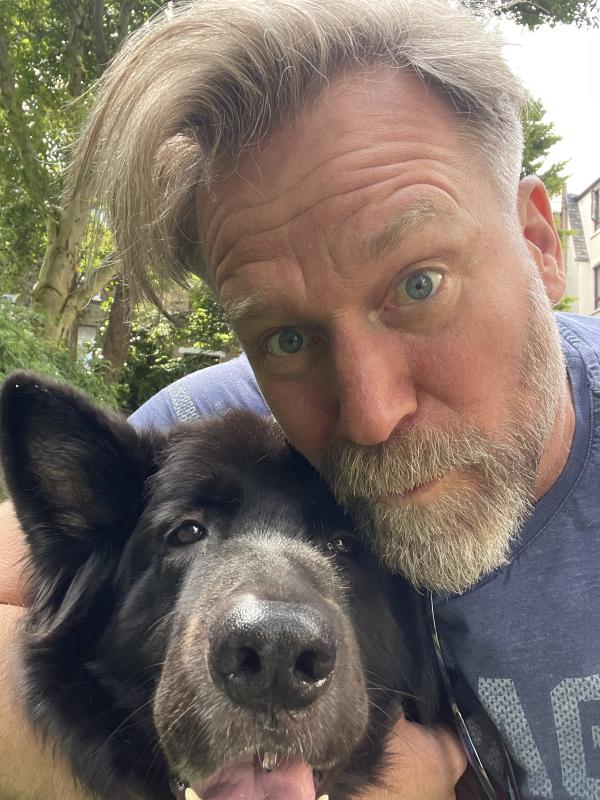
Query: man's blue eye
{"type": "Point", "coordinates": [418, 286]}
{"type": "Point", "coordinates": [286, 342]}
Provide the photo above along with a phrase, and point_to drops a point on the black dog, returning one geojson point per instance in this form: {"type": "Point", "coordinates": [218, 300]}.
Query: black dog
{"type": "Point", "coordinates": [202, 613]}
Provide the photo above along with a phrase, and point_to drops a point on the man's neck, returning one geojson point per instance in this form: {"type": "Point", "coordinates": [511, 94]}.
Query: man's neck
{"type": "Point", "coordinates": [557, 450]}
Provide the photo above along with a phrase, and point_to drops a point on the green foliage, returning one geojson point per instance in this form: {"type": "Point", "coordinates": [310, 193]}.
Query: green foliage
{"type": "Point", "coordinates": [205, 325]}
{"type": "Point", "coordinates": [565, 303]}
{"type": "Point", "coordinates": [553, 12]}
{"type": "Point", "coordinates": [153, 362]}
{"type": "Point", "coordinates": [544, 12]}
{"type": "Point", "coordinates": [54, 51]}
{"type": "Point", "coordinates": [540, 137]}
{"type": "Point", "coordinates": [22, 346]}
{"type": "Point", "coordinates": [35, 35]}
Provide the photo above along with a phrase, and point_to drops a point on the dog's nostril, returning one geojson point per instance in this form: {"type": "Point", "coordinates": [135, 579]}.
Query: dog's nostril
{"type": "Point", "coordinates": [248, 662]}
{"type": "Point", "coordinates": [313, 666]}
{"type": "Point", "coordinates": [272, 654]}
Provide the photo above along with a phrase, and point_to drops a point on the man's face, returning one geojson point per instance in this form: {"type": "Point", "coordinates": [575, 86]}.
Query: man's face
{"type": "Point", "coordinates": [382, 300]}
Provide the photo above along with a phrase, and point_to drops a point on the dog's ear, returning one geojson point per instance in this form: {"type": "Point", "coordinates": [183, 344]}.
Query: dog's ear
{"type": "Point", "coordinates": [76, 473]}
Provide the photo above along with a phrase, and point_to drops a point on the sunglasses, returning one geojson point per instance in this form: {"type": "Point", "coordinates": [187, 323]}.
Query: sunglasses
{"type": "Point", "coordinates": [510, 788]}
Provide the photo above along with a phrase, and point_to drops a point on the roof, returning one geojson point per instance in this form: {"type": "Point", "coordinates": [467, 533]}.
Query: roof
{"type": "Point", "coordinates": [592, 185]}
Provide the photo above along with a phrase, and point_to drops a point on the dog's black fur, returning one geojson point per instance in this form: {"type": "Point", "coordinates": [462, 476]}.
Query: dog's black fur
{"type": "Point", "coordinates": [143, 545]}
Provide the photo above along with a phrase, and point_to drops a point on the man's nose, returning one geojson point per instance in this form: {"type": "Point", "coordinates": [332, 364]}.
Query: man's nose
{"type": "Point", "coordinates": [375, 387]}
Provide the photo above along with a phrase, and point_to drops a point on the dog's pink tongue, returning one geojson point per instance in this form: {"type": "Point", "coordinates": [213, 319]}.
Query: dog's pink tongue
{"type": "Point", "coordinates": [292, 780]}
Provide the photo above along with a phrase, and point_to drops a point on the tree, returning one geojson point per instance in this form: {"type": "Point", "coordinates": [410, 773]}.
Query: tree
{"type": "Point", "coordinates": [117, 335]}
{"type": "Point", "coordinates": [544, 12]}
{"type": "Point", "coordinates": [23, 347]}
{"type": "Point", "coordinates": [540, 137]}
{"type": "Point", "coordinates": [152, 360]}
{"type": "Point", "coordinates": [51, 51]}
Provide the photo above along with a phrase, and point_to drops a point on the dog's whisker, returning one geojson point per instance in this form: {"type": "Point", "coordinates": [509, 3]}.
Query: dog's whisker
{"type": "Point", "coordinates": [395, 692]}
{"type": "Point", "coordinates": [123, 724]}
{"type": "Point", "coordinates": [161, 620]}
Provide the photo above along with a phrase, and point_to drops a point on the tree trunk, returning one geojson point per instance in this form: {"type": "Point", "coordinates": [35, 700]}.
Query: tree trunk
{"type": "Point", "coordinates": [87, 288]}
{"type": "Point", "coordinates": [74, 48]}
{"type": "Point", "coordinates": [125, 10]}
{"type": "Point", "coordinates": [97, 25]}
{"type": "Point", "coordinates": [116, 339]}
{"type": "Point", "coordinates": [58, 274]}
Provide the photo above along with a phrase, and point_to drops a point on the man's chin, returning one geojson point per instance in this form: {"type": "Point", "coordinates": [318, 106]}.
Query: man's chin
{"type": "Point", "coordinates": [439, 550]}
{"type": "Point", "coordinates": [448, 578]}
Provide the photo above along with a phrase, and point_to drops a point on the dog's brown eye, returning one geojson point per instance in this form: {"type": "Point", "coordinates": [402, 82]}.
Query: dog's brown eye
{"type": "Point", "coordinates": [187, 533]}
{"type": "Point", "coordinates": [341, 544]}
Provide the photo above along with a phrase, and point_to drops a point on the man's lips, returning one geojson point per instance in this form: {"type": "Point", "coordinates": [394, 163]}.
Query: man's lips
{"type": "Point", "coordinates": [420, 493]}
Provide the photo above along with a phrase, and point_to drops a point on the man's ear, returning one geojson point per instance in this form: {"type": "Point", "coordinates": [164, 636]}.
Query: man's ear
{"type": "Point", "coordinates": [75, 472]}
{"type": "Point", "coordinates": [539, 230]}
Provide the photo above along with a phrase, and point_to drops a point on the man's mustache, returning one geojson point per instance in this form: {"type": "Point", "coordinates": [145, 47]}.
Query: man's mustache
{"type": "Point", "coordinates": [404, 462]}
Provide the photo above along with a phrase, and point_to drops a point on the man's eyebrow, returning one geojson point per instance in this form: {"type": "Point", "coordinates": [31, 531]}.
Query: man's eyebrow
{"type": "Point", "coordinates": [419, 212]}
{"type": "Point", "coordinates": [402, 224]}
{"type": "Point", "coordinates": [252, 305]}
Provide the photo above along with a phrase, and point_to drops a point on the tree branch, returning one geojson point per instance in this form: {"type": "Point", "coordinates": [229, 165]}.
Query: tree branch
{"type": "Point", "coordinates": [18, 129]}
{"type": "Point", "coordinates": [94, 281]}
{"type": "Point", "coordinates": [74, 49]}
{"type": "Point", "coordinates": [81, 295]}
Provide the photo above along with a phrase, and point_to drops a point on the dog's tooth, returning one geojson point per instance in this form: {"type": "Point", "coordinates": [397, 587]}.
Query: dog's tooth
{"type": "Point", "coordinates": [323, 797]}
{"type": "Point", "coordinates": [190, 794]}
{"type": "Point", "coordinates": [269, 761]}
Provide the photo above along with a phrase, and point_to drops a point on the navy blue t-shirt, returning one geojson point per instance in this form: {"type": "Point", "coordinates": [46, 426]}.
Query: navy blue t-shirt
{"type": "Point", "coordinates": [525, 639]}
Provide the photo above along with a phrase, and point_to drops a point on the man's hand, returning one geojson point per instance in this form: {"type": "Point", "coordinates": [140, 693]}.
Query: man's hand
{"type": "Point", "coordinates": [13, 550]}
{"type": "Point", "coordinates": [28, 771]}
{"type": "Point", "coordinates": [425, 764]}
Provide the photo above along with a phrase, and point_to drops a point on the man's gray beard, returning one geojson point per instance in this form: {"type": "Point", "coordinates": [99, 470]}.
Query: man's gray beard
{"type": "Point", "coordinates": [448, 544]}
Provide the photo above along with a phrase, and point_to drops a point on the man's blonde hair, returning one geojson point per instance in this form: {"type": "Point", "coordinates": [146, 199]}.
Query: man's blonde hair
{"type": "Point", "coordinates": [205, 81]}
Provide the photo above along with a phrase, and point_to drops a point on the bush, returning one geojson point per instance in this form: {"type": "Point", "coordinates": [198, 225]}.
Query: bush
{"type": "Point", "coordinates": [152, 361]}
{"type": "Point", "coordinates": [151, 364]}
{"type": "Point", "coordinates": [23, 346]}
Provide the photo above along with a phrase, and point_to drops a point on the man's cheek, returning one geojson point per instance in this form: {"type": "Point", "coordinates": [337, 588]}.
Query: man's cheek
{"type": "Point", "coordinates": [300, 411]}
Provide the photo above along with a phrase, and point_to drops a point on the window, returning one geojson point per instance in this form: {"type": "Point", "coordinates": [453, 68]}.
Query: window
{"type": "Point", "coordinates": [596, 208]}
{"type": "Point", "coordinates": [597, 287]}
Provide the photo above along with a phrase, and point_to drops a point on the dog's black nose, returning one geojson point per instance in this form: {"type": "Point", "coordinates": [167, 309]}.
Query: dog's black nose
{"type": "Point", "coordinates": [268, 654]}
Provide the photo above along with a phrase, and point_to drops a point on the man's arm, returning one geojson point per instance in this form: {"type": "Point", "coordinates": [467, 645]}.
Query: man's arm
{"type": "Point", "coordinates": [13, 551]}
{"type": "Point", "coordinates": [28, 771]}
{"type": "Point", "coordinates": [425, 764]}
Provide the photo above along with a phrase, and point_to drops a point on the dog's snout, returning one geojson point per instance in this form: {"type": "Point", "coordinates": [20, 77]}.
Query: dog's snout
{"type": "Point", "coordinates": [271, 654]}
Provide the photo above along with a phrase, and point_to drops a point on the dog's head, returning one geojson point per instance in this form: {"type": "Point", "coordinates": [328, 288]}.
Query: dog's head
{"type": "Point", "coordinates": [200, 605]}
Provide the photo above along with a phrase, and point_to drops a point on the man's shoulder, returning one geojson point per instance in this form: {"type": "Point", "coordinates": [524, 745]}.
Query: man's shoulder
{"type": "Point", "coordinates": [581, 343]}
{"type": "Point", "coordinates": [583, 326]}
{"type": "Point", "coordinates": [213, 390]}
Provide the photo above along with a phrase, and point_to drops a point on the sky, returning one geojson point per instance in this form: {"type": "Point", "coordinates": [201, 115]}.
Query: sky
{"type": "Point", "coordinates": [561, 67]}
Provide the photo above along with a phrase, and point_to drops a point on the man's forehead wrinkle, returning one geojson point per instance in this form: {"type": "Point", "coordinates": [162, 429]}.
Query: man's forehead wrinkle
{"type": "Point", "coordinates": [309, 184]}
{"type": "Point", "coordinates": [259, 222]}
{"type": "Point", "coordinates": [404, 223]}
